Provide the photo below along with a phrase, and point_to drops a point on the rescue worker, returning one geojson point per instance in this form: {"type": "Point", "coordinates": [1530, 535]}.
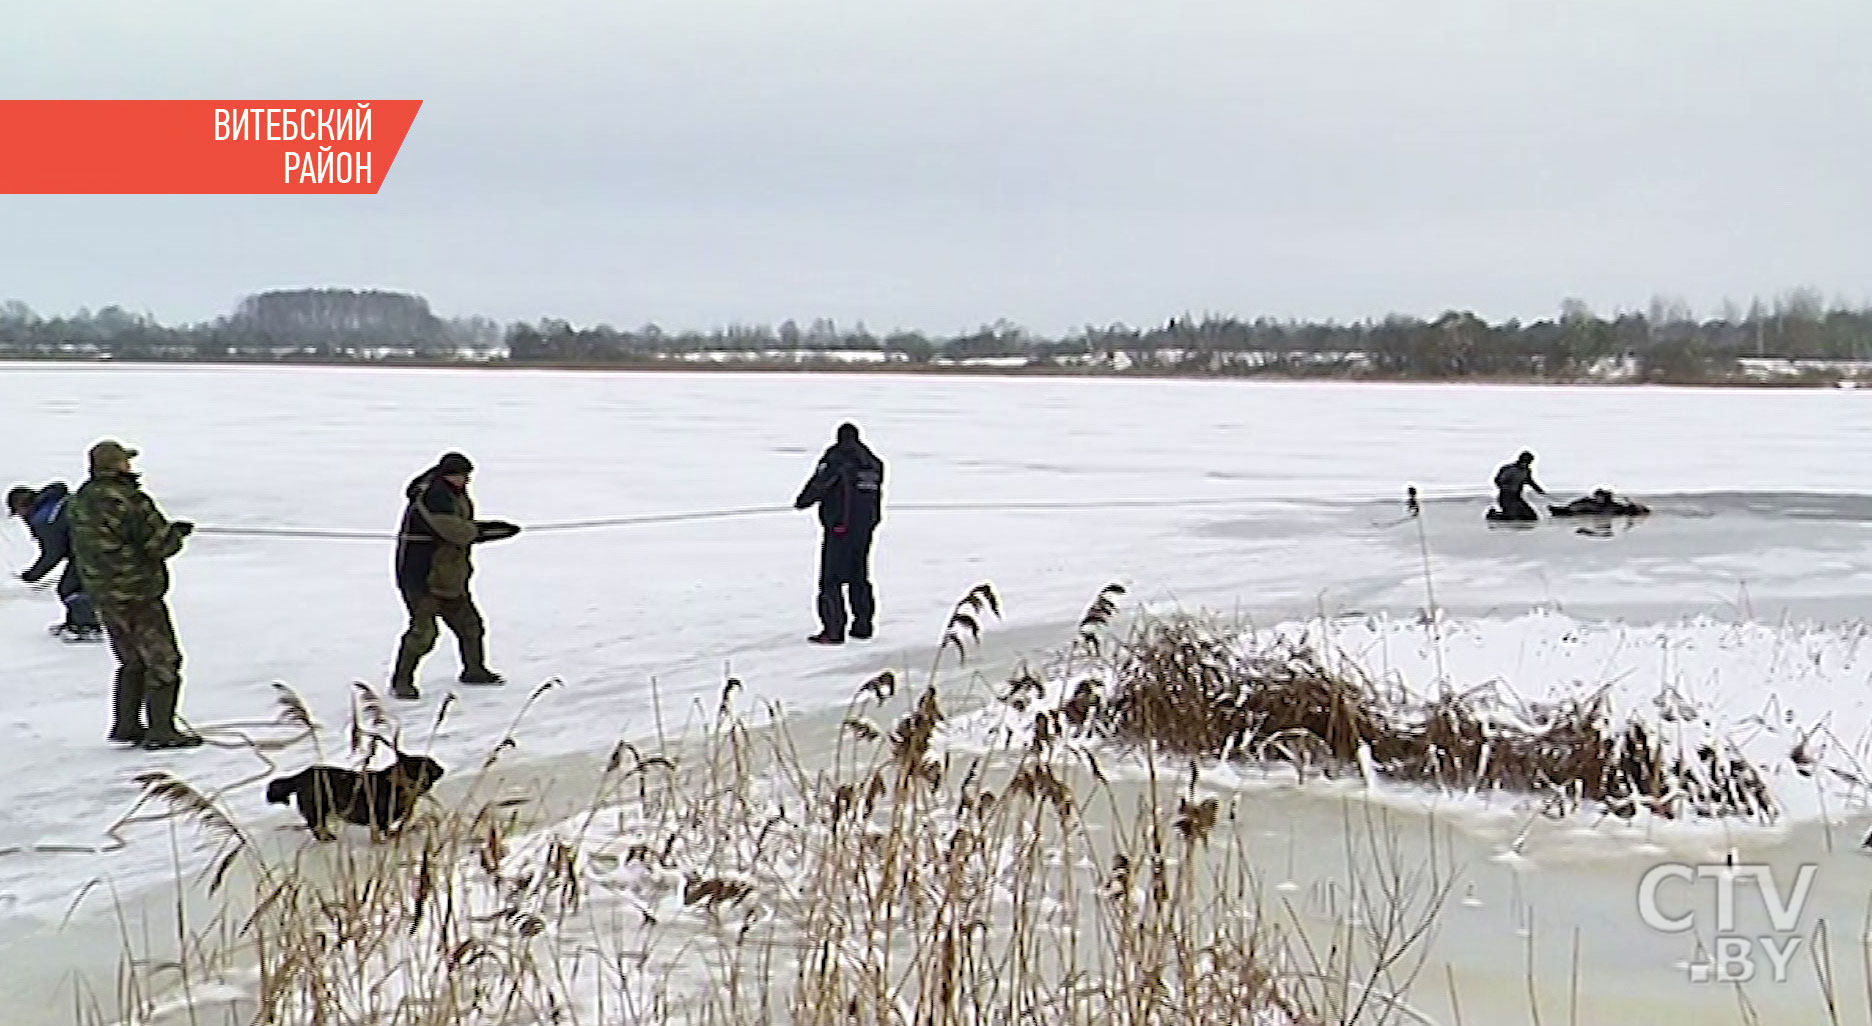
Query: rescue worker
{"type": "Point", "coordinates": [1510, 480]}
{"type": "Point", "coordinates": [433, 567]}
{"type": "Point", "coordinates": [122, 544]}
{"type": "Point", "coordinates": [44, 512]}
{"type": "Point", "coordinates": [848, 488]}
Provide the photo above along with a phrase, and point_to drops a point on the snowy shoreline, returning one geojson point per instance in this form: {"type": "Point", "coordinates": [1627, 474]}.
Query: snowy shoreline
{"type": "Point", "coordinates": [680, 364]}
{"type": "Point", "coordinates": [42, 963]}
{"type": "Point", "coordinates": [1498, 846]}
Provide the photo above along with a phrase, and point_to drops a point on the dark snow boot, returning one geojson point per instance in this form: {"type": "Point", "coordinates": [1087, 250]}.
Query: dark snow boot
{"type": "Point", "coordinates": [81, 614]}
{"type": "Point", "coordinates": [403, 677]}
{"type": "Point", "coordinates": [863, 608]}
{"type": "Point", "coordinates": [160, 705]}
{"type": "Point", "coordinates": [127, 708]}
{"type": "Point", "coordinates": [474, 661]}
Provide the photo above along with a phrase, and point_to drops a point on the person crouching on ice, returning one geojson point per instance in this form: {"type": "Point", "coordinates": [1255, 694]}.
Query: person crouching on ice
{"type": "Point", "coordinates": [432, 571]}
{"type": "Point", "coordinates": [46, 517]}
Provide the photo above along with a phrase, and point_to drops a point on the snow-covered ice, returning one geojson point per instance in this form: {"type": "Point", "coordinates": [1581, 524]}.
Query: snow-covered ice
{"type": "Point", "coordinates": [1293, 490]}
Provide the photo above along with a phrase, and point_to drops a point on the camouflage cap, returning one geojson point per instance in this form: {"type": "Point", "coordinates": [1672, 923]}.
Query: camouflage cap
{"type": "Point", "coordinates": [109, 453]}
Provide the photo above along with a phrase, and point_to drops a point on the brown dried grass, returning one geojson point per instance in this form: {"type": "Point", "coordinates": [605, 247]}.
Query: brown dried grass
{"type": "Point", "coordinates": [1192, 689]}
{"type": "Point", "coordinates": [935, 890]}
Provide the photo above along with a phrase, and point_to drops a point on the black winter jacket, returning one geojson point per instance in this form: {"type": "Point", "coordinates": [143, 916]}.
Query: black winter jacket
{"type": "Point", "coordinates": [848, 487]}
{"type": "Point", "coordinates": [1512, 477]}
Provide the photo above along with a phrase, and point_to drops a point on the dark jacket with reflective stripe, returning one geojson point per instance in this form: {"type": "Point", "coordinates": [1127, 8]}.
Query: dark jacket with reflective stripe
{"type": "Point", "coordinates": [848, 487]}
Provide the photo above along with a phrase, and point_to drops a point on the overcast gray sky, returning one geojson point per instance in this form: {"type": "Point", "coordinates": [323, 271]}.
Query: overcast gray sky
{"type": "Point", "coordinates": [941, 163]}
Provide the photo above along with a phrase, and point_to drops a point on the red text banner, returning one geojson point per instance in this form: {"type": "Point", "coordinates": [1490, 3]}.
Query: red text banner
{"type": "Point", "coordinates": [151, 147]}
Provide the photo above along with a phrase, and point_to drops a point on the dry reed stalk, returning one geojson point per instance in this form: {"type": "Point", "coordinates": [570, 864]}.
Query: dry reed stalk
{"type": "Point", "coordinates": [1188, 688]}
{"type": "Point", "coordinates": [734, 882]}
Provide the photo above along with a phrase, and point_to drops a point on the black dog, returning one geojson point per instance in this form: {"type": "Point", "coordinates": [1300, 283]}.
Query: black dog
{"type": "Point", "coordinates": [379, 799]}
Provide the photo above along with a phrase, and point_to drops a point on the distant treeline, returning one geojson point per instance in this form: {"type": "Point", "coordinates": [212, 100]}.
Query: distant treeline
{"type": "Point", "coordinates": [1663, 343]}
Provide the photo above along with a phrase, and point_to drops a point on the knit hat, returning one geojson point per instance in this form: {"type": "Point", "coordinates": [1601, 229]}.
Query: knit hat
{"type": "Point", "coordinates": [453, 463]}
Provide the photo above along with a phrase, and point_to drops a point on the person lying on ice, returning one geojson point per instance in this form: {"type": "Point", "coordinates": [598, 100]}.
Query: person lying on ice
{"type": "Point", "coordinates": [1509, 481]}
{"type": "Point", "coordinates": [46, 517]}
{"type": "Point", "coordinates": [1601, 503]}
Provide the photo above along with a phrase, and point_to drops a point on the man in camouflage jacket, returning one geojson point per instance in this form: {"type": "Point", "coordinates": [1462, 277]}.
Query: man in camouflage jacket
{"type": "Point", "coordinates": [122, 544]}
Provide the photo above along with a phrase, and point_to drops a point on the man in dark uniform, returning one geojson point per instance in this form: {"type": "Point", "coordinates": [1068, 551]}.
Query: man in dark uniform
{"type": "Point", "coordinates": [848, 488]}
{"type": "Point", "coordinates": [46, 517]}
{"type": "Point", "coordinates": [432, 572]}
{"type": "Point", "coordinates": [1509, 482]}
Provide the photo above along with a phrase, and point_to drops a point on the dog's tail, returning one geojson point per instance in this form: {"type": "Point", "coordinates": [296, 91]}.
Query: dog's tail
{"type": "Point", "coordinates": [280, 791]}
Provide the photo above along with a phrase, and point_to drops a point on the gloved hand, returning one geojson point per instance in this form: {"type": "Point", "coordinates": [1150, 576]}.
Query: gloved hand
{"type": "Point", "coordinates": [183, 527]}
{"type": "Point", "coordinates": [494, 530]}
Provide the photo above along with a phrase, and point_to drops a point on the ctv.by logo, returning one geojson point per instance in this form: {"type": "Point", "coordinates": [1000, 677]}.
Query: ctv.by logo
{"type": "Point", "coordinates": [1732, 955]}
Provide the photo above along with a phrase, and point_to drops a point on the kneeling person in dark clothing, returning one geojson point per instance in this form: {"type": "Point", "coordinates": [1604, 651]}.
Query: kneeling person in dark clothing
{"type": "Point", "coordinates": [49, 521]}
{"type": "Point", "coordinates": [432, 571]}
{"type": "Point", "coordinates": [1509, 482]}
{"type": "Point", "coordinates": [848, 488]}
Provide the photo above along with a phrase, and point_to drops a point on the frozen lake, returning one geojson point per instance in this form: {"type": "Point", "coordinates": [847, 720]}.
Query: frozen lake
{"type": "Point", "coordinates": [1275, 500]}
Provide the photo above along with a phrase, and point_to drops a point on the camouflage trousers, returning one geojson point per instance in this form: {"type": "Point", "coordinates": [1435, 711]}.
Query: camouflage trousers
{"type": "Point", "coordinates": [143, 639]}
{"type": "Point", "coordinates": [462, 618]}
{"type": "Point", "coordinates": [149, 675]}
